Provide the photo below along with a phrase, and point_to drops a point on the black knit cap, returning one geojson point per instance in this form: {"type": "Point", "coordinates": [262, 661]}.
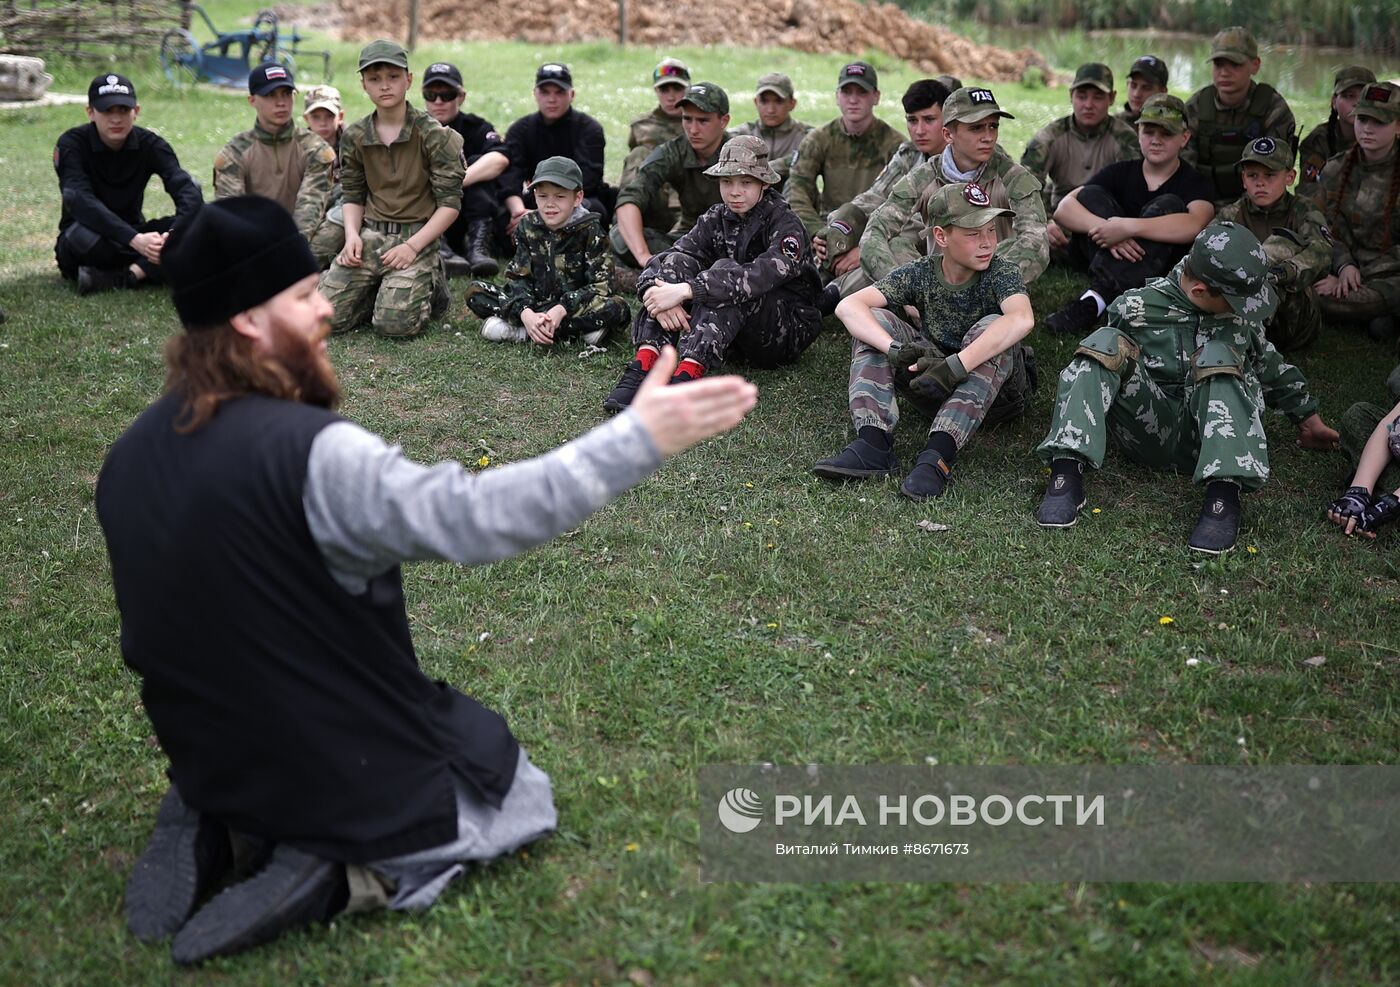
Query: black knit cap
{"type": "Point", "coordinates": [233, 255]}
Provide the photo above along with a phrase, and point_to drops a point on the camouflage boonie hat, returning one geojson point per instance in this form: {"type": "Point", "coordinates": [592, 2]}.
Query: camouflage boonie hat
{"type": "Point", "coordinates": [1166, 111]}
{"type": "Point", "coordinates": [670, 72]}
{"type": "Point", "coordinates": [964, 204]}
{"type": "Point", "coordinates": [707, 98]}
{"type": "Point", "coordinates": [1351, 75]}
{"type": "Point", "coordinates": [861, 74]}
{"type": "Point", "coordinates": [1152, 67]}
{"type": "Point", "coordinates": [321, 98]}
{"type": "Point", "coordinates": [1231, 259]}
{"type": "Point", "coordinates": [383, 52]}
{"type": "Point", "coordinates": [1235, 44]}
{"type": "Point", "coordinates": [774, 82]}
{"type": "Point", "coordinates": [560, 171]}
{"type": "Point", "coordinates": [1095, 74]}
{"type": "Point", "coordinates": [1276, 155]}
{"type": "Point", "coordinates": [744, 155]}
{"type": "Point", "coordinates": [970, 104]}
{"type": "Point", "coordinates": [1379, 101]}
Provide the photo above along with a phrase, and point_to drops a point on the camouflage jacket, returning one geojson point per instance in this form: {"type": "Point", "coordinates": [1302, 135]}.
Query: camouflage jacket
{"type": "Point", "coordinates": [1315, 150]}
{"type": "Point", "coordinates": [1161, 319]}
{"type": "Point", "coordinates": [302, 171]}
{"type": "Point", "coordinates": [647, 134]}
{"type": "Point", "coordinates": [1062, 157]}
{"type": "Point", "coordinates": [767, 244]}
{"type": "Point", "coordinates": [844, 227]}
{"type": "Point", "coordinates": [894, 235]}
{"type": "Point", "coordinates": [1219, 135]}
{"type": "Point", "coordinates": [571, 267]}
{"type": "Point", "coordinates": [1128, 116]}
{"type": "Point", "coordinates": [1296, 266]}
{"type": "Point", "coordinates": [675, 164]}
{"type": "Point", "coordinates": [654, 129]}
{"type": "Point", "coordinates": [782, 141]}
{"type": "Point", "coordinates": [1357, 215]}
{"type": "Point", "coordinates": [405, 181]}
{"type": "Point", "coordinates": [846, 166]}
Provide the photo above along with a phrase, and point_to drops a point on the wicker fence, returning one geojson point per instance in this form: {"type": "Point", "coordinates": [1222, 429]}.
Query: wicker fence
{"type": "Point", "coordinates": [82, 29]}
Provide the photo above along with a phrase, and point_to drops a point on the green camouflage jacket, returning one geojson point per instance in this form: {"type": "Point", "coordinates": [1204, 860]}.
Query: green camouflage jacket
{"type": "Point", "coordinates": [1357, 221]}
{"type": "Point", "coordinates": [572, 267]}
{"type": "Point", "coordinates": [1062, 157]}
{"type": "Point", "coordinates": [1219, 135]}
{"type": "Point", "coordinates": [675, 164]}
{"type": "Point", "coordinates": [300, 149]}
{"type": "Point", "coordinates": [654, 129]}
{"type": "Point", "coordinates": [846, 166]}
{"type": "Point", "coordinates": [782, 141]}
{"type": "Point", "coordinates": [894, 236]}
{"type": "Point", "coordinates": [1296, 266]}
{"type": "Point", "coordinates": [364, 156]}
{"type": "Point", "coordinates": [1128, 116]}
{"type": "Point", "coordinates": [1316, 149]}
{"type": "Point", "coordinates": [845, 226]}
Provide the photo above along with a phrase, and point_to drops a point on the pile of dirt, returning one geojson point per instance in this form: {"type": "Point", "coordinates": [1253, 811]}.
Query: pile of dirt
{"type": "Point", "coordinates": [804, 25]}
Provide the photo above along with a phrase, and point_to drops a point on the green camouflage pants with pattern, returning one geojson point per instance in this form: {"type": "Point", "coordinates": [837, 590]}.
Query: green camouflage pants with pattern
{"type": "Point", "coordinates": [997, 391]}
{"type": "Point", "coordinates": [1297, 322]}
{"type": "Point", "coordinates": [328, 239]}
{"type": "Point", "coordinates": [1214, 429]}
{"type": "Point", "coordinates": [1378, 295]}
{"type": "Point", "coordinates": [395, 303]}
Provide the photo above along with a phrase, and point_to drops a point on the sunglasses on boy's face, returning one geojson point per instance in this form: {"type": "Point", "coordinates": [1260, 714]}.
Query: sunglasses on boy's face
{"type": "Point", "coordinates": [439, 95]}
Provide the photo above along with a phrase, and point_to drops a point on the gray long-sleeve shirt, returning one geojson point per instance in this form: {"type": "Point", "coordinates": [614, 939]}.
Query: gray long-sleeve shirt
{"type": "Point", "coordinates": [369, 507]}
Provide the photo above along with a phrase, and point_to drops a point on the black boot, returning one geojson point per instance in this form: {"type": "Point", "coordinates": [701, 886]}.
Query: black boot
{"type": "Point", "coordinates": [1064, 495]}
{"type": "Point", "coordinates": [479, 256]}
{"type": "Point", "coordinates": [452, 263]}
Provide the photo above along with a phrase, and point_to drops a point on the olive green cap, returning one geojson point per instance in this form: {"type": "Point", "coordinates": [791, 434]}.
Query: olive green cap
{"type": "Point", "coordinates": [707, 98]}
{"type": "Point", "coordinates": [560, 171]}
{"type": "Point", "coordinates": [1276, 155]}
{"type": "Point", "coordinates": [964, 204]}
{"type": "Point", "coordinates": [970, 104]}
{"type": "Point", "coordinates": [1231, 260]}
{"type": "Point", "coordinates": [1095, 74]}
{"type": "Point", "coordinates": [1166, 111]}
{"type": "Point", "coordinates": [1379, 101]}
{"type": "Point", "coordinates": [1351, 75]}
{"type": "Point", "coordinates": [774, 82]}
{"type": "Point", "coordinates": [383, 52]}
{"type": "Point", "coordinates": [744, 155]}
{"type": "Point", "coordinates": [1235, 44]}
{"type": "Point", "coordinates": [860, 73]}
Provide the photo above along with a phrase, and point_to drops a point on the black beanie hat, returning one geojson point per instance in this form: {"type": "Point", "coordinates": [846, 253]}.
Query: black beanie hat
{"type": "Point", "coordinates": [233, 255]}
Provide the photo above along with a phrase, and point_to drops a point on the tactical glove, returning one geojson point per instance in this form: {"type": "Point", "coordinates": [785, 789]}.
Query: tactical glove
{"type": "Point", "coordinates": [1352, 504]}
{"type": "Point", "coordinates": [936, 377]}
{"type": "Point", "coordinates": [902, 356]}
{"type": "Point", "coordinates": [1383, 510]}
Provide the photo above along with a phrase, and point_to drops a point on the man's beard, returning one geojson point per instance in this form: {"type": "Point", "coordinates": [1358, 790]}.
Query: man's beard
{"type": "Point", "coordinates": [311, 370]}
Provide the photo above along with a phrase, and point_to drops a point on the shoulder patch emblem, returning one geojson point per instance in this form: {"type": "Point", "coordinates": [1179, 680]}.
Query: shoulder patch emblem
{"type": "Point", "coordinates": [1310, 172]}
{"type": "Point", "coordinates": [791, 248]}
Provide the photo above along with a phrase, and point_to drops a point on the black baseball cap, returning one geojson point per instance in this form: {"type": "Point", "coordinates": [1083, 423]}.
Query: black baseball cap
{"type": "Point", "coordinates": [268, 78]}
{"type": "Point", "coordinates": [556, 73]}
{"type": "Point", "coordinates": [443, 72]}
{"type": "Point", "coordinates": [109, 90]}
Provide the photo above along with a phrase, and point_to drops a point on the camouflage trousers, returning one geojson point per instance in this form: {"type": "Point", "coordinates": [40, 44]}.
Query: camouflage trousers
{"type": "Point", "coordinates": [606, 312]}
{"type": "Point", "coordinates": [995, 392]}
{"type": "Point", "coordinates": [395, 303]}
{"type": "Point", "coordinates": [768, 331]}
{"type": "Point", "coordinates": [1213, 429]}
{"type": "Point", "coordinates": [1375, 297]}
{"type": "Point", "coordinates": [328, 239]}
{"type": "Point", "coordinates": [1355, 428]}
{"type": "Point", "coordinates": [1297, 321]}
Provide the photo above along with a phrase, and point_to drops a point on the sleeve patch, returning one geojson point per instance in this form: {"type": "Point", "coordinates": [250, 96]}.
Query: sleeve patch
{"type": "Point", "coordinates": [841, 225]}
{"type": "Point", "coordinates": [791, 248]}
{"type": "Point", "coordinates": [492, 137]}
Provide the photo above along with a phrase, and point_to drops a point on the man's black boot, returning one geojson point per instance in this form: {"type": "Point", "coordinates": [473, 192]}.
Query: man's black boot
{"type": "Point", "coordinates": [293, 890]}
{"type": "Point", "coordinates": [1218, 527]}
{"type": "Point", "coordinates": [479, 255]}
{"type": "Point", "coordinates": [453, 264]}
{"type": "Point", "coordinates": [871, 455]}
{"type": "Point", "coordinates": [621, 396]}
{"type": "Point", "coordinates": [1064, 495]}
{"type": "Point", "coordinates": [186, 856]}
{"type": "Point", "coordinates": [829, 299]}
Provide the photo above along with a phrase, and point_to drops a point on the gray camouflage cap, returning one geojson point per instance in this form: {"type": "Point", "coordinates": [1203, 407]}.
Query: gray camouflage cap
{"type": "Point", "coordinates": [707, 98]}
{"type": "Point", "coordinates": [1276, 155]}
{"type": "Point", "coordinates": [950, 82]}
{"type": "Point", "coordinates": [774, 82]}
{"type": "Point", "coordinates": [970, 104]}
{"type": "Point", "coordinates": [744, 155]}
{"type": "Point", "coordinates": [1166, 111]}
{"type": "Point", "coordinates": [560, 171]}
{"type": "Point", "coordinates": [1379, 101]}
{"type": "Point", "coordinates": [1236, 44]}
{"type": "Point", "coordinates": [1231, 259]}
{"type": "Point", "coordinates": [1095, 74]}
{"type": "Point", "coordinates": [964, 204]}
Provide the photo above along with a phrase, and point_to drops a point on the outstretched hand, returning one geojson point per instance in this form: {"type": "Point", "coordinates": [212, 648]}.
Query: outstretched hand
{"type": "Point", "coordinates": [1314, 433]}
{"type": "Point", "coordinates": [678, 417]}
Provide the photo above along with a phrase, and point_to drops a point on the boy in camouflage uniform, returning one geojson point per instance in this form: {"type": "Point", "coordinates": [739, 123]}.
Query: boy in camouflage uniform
{"type": "Point", "coordinates": [1337, 135]}
{"type": "Point", "coordinates": [740, 284]}
{"type": "Point", "coordinates": [775, 101]}
{"type": "Point", "coordinates": [557, 287]}
{"type": "Point", "coordinates": [669, 80]}
{"type": "Point", "coordinates": [1371, 439]}
{"type": "Point", "coordinates": [846, 155]}
{"type": "Point", "coordinates": [965, 368]}
{"type": "Point", "coordinates": [325, 118]}
{"type": "Point", "coordinates": [1294, 234]}
{"type": "Point", "coordinates": [839, 239]}
{"type": "Point", "coordinates": [277, 159]}
{"type": "Point", "coordinates": [1179, 378]}
{"type": "Point", "coordinates": [1146, 79]}
{"type": "Point", "coordinates": [971, 122]}
{"type": "Point", "coordinates": [1233, 110]}
{"type": "Point", "coordinates": [401, 178]}
{"type": "Point", "coordinates": [1065, 152]}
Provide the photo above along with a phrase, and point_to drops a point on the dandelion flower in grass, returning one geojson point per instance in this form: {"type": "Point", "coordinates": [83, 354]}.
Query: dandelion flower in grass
{"type": "Point", "coordinates": [748, 486]}
{"type": "Point", "coordinates": [484, 462]}
{"type": "Point", "coordinates": [1251, 550]}
{"type": "Point", "coordinates": [632, 847]}
{"type": "Point", "coordinates": [1164, 621]}
{"type": "Point", "coordinates": [772, 625]}
{"type": "Point", "coordinates": [1097, 510]}
{"type": "Point", "coordinates": [747, 525]}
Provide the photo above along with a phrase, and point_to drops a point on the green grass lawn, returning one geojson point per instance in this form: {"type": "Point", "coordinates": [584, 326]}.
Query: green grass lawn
{"type": "Point", "coordinates": [732, 609]}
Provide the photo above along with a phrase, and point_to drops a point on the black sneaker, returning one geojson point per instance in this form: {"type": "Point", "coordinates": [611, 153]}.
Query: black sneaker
{"type": "Point", "coordinates": [829, 299]}
{"type": "Point", "coordinates": [928, 478]}
{"type": "Point", "coordinates": [186, 856]}
{"type": "Point", "coordinates": [626, 388]}
{"type": "Point", "coordinates": [92, 280]}
{"type": "Point", "coordinates": [858, 461]}
{"type": "Point", "coordinates": [680, 377]}
{"type": "Point", "coordinates": [293, 890]}
{"type": "Point", "coordinates": [1074, 319]}
{"type": "Point", "coordinates": [1064, 496]}
{"type": "Point", "coordinates": [1218, 527]}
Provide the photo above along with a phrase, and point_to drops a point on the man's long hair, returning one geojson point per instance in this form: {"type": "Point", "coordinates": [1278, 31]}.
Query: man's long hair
{"type": "Point", "coordinates": [211, 366]}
